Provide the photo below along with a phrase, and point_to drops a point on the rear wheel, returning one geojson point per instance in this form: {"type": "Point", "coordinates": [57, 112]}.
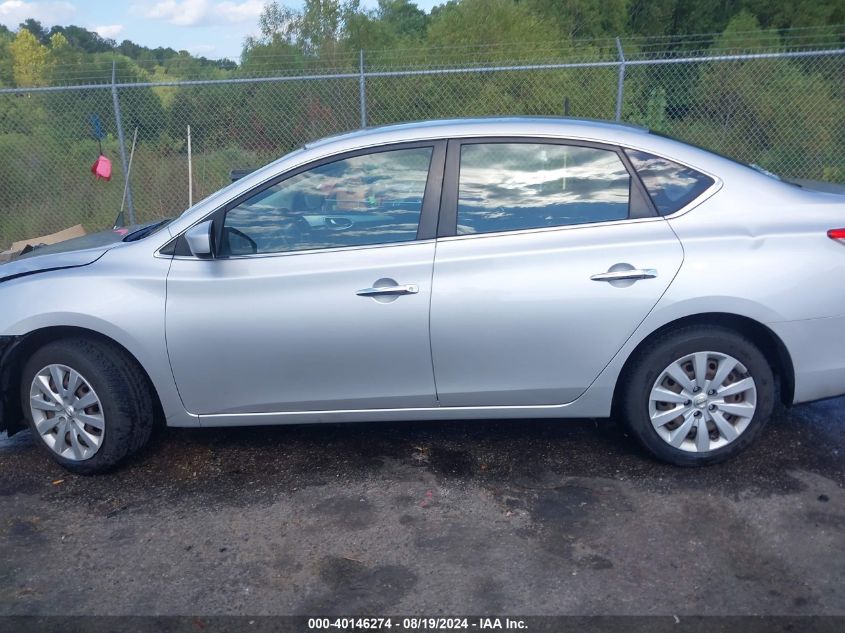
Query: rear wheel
{"type": "Point", "coordinates": [87, 402]}
{"type": "Point", "coordinates": [698, 396]}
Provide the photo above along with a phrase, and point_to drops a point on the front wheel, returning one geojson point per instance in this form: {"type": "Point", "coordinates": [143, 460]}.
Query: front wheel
{"type": "Point", "coordinates": [87, 402]}
{"type": "Point", "coordinates": [698, 396]}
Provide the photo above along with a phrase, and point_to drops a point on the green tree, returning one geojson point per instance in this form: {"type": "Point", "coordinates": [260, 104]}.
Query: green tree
{"type": "Point", "coordinates": [679, 17]}
{"type": "Point", "coordinates": [315, 29]}
{"type": "Point", "coordinates": [83, 39]}
{"type": "Point", "coordinates": [35, 27]}
{"type": "Point", "coordinates": [782, 14]}
{"type": "Point", "coordinates": [366, 31]}
{"type": "Point", "coordinates": [6, 63]}
{"type": "Point", "coordinates": [735, 99]}
{"type": "Point", "coordinates": [650, 17]}
{"type": "Point", "coordinates": [30, 60]}
{"type": "Point", "coordinates": [403, 18]}
{"type": "Point", "coordinates": [488, 22]}
{"type": "Point", "coordinates": [58, 43]}
{"type": "Point", "coordinates": [584, 18]}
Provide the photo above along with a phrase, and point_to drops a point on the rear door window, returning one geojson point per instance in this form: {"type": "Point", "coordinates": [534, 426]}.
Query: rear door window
{"type": "Point", "coordinates": [670, 185]}
{"type": "Point", "coordinates": [517, 186]}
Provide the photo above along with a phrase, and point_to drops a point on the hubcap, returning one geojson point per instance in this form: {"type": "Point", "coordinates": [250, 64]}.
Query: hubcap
{"type": "Point", "coordinates": [67, 412]}
{"type": "Point", "coordinates": [702, 402]}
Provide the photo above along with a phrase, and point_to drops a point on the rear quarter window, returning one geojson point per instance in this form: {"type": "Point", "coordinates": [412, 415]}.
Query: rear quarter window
{"type": "Point", "coordinates": [670, 185]}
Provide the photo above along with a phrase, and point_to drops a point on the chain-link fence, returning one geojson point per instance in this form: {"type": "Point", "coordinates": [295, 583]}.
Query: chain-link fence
{"type": "Point", "coordinates": [783, 109]}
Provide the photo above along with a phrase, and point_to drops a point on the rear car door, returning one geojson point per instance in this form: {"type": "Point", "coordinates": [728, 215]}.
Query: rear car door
{"type": "Point", "coordinates": [549, 256]}
{"type": "Point", "coordinates": [318, 296]}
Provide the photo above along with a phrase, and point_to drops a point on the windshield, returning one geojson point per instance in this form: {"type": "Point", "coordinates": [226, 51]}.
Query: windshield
{"type": "Point", "coordinates": [133, 234]}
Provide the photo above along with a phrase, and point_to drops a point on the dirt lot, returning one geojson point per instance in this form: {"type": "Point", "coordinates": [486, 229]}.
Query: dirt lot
{"type": "Point", "coordinates": [428, 518]}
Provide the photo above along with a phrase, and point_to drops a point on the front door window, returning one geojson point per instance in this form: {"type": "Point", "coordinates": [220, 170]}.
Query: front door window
{"type": "Point", "coordinates": [362, 200]}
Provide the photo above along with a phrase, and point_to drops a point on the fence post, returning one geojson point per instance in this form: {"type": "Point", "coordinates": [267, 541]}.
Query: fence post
{"type": "Point", "coordinates": [129, 206]}
{"type": "Point", "coordinates": [362, 93]}
{"type": "Point", "coordinates": [620, 88]}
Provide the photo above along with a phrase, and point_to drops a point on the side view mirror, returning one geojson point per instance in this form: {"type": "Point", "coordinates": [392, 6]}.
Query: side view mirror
{"type": "Point", "coordinates": [199, 240]}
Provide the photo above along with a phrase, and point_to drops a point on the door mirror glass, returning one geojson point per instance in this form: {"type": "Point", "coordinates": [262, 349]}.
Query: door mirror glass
{"type": "Point", "coordinates": [199, 240]}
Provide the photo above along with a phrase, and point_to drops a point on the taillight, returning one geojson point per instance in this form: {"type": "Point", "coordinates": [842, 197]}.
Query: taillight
{"type": "Point", "coordinates": [836, 234]}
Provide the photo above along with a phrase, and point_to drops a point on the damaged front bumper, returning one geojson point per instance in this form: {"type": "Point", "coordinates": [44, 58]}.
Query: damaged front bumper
{"type": "Point", "coordinates": [10, 412]}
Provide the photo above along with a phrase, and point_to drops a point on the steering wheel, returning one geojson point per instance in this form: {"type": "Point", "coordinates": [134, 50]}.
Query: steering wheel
{"type": "Point", "coordinates": [294, 228]}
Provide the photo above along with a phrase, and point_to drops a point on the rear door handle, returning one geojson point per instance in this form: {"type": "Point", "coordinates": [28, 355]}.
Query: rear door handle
{"type": "Point", "coordinates": [403, 289]}
{"type": "Point", "coordinates": [623, 275]}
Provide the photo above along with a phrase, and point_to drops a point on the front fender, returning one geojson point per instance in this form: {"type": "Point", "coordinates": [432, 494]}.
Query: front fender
{"type": "Point", "coordinates": [11, 420]}
{"type": "Point", "coordinates": [121, 296]}
{"type": "Point", "coordinates": [49, 262]}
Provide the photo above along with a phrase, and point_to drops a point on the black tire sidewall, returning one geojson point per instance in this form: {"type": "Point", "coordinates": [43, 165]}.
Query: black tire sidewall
{"type": "Point", "coordinates": [104, 376]}
{"type": "Point", "coordinates": [676, 345]}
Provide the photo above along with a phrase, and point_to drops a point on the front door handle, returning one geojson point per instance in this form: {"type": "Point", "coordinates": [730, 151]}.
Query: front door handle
{"type": "Point", "coordinates": [626, 275]}
{"type": "Point", "coordinates": [399, 289]}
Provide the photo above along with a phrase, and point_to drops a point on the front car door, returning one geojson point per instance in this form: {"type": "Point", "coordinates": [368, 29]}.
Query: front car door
{"type": "Point", "coordinates": [550, 256]}
{"type": "Point", "coordinates": [318, 295]}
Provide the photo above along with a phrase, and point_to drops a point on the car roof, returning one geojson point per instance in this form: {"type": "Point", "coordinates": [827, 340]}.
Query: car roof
{"type": "Point", "coordinates": [481, 126]}
{"type": "Point", "coordinates": [564, 128]}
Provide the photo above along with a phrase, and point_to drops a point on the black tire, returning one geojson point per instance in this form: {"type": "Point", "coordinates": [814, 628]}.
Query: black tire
{"type": "Point", "coordinates": [123, 390]}
{"type": "Point", "coordinates": [632, 405]}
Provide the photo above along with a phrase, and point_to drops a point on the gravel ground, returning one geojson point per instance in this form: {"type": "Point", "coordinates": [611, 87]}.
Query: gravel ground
{"type": "Point", "coordinates": [515, 517]}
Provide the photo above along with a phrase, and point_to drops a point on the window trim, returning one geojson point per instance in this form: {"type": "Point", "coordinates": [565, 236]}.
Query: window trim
{"type": "Point", "coordinates": [426, 229]}
{"type": "Point", "coordinates": [640, 205]}
{"type": "Point", "coordinates": [703, 194]}
{"type": "Point", "coordinates": [701, 198]}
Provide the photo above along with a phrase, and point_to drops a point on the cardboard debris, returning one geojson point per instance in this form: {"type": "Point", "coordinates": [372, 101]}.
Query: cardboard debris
{"type": "Point", "coordinates": [53, 238]}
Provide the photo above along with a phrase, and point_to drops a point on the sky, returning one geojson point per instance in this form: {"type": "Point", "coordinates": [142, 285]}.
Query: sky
{"type": "Point", "coordinates": [210, 28]}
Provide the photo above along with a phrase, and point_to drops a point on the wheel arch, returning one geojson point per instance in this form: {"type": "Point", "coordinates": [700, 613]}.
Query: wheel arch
{"type": "Point", "coordinates": [13, 361]}
{"type": "Point", "coordinates": [769, 344]}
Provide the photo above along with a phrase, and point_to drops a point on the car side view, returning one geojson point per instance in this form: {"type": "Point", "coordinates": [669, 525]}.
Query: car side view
{"type": "Point", "coordinates": [468, 269]}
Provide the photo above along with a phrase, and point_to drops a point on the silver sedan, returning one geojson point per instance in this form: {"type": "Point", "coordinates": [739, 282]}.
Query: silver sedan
{"type": "Point", "coordinates": [471, 269]}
